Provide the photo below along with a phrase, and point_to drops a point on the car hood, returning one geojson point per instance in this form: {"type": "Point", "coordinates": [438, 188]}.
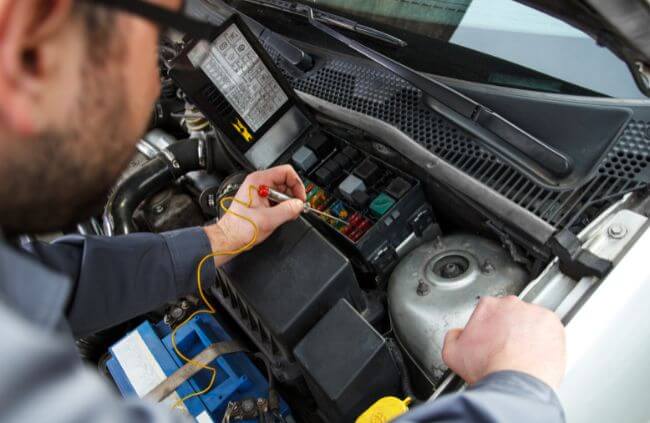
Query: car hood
{"type": "Point", "coordinates": [623, 26]}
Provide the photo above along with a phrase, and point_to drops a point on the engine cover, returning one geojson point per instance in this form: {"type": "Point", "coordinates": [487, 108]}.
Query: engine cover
{"type": "Point", "coordinates": [436, 288]}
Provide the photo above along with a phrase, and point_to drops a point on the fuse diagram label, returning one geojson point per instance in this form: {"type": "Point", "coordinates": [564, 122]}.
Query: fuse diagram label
{"type": "Point", "coordinates": [239, 73]}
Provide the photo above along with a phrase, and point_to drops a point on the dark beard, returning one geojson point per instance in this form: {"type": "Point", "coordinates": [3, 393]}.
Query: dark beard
{"type": "Point", "coordinates": [66, 176]}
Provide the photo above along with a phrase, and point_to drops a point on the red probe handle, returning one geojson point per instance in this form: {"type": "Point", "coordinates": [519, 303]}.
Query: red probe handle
{"type": "Point", "coordinates": [263, 191]}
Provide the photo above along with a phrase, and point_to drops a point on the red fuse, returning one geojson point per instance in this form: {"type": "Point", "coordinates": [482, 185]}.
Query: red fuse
{"type": "Point", "coordinates": [365, 225]}
{"type": "Point", "coordinates": [354, 219]}
{"type": "Point", "coordinates": [355, 235]}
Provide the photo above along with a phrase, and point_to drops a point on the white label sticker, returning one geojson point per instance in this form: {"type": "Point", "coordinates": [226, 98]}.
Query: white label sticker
{"type": "Point", "coordinates": [204, 417]}
{"type": "Point", "coordinates": [141, 368]}
{"type": "Point", "coordinates": [241, 76]}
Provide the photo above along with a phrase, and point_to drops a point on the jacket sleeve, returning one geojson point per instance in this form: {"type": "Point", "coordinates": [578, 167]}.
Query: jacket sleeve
{"type": "Point", "coordinates": [503, 397]}
{"type": "Point", "coordinates": [118, 278]}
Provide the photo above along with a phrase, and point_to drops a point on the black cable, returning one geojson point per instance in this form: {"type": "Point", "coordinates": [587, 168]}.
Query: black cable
{"type": "Point", "coordinates": [273, 398]}
{"type": "Point", "coordinates": [267, 365]}
{"type": "Point", "coordinates": [405, 379]}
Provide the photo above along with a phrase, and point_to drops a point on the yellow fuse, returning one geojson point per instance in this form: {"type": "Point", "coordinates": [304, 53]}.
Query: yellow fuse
{"type": "Point", "coordinates": [318, 199]}
{"type": "Point", "coordinates": [384, 410]}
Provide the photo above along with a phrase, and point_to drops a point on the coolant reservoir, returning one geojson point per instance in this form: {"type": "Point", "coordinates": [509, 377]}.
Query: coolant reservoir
{"type": "Point", "coordinates": [436, 288]}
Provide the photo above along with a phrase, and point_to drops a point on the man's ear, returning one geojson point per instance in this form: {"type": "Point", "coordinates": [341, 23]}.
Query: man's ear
{"type": "Point", "coordinates": [26, 28]}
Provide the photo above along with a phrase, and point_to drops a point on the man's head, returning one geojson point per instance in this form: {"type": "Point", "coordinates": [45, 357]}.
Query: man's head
{"type": "Point", "coordinates": [77, 83]}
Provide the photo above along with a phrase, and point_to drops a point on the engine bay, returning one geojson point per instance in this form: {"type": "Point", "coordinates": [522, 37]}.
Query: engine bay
{"type": "Point", "coordinates": [333, 316]}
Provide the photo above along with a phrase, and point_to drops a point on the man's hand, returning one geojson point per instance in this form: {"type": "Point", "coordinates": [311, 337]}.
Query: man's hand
{"type": "Point", "coordinates": [507, 334]}
{"type": "Point", "coordinates": [232, 233]}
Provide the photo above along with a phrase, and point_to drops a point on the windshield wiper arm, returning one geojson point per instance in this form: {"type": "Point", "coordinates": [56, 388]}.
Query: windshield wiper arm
{"type": "Point", "coordinates": [520, 148]}
{"type": "Point", "coordinates": [331, 19]}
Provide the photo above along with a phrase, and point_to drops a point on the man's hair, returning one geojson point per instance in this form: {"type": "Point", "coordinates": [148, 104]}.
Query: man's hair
{"type": "Point", "coordinates": [99, 25]}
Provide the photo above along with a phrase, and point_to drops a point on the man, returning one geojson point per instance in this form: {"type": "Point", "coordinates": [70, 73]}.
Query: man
{"type": "Point", "coordinates": [77, 83]}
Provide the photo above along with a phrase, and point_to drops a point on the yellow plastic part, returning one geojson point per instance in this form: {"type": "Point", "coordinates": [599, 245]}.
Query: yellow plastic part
{"type": "Point", "coordinates": [384, 410]}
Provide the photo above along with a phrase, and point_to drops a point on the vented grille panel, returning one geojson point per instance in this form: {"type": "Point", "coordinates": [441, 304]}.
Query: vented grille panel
{"type": "Point", "coordinates": [222, 107]}
{"type": "Point", "coordinates": [631, 155]}
{"type": "Point", "coordinates": [382, 95]}
{"type": "Point", "coordinates": [285, 367]}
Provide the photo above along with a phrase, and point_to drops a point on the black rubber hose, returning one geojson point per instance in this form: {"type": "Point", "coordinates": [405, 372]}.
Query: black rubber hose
{"type": "Point", "coordinates": [157, 174]}
{"type": "Point", "coordinates": [187, 157]}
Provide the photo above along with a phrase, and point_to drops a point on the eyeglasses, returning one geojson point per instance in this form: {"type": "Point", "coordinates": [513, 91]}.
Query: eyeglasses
{"type": "Point", "coordinates": [163, 17]}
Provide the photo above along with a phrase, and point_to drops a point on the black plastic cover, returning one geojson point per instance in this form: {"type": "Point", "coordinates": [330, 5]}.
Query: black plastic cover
{"type": "Point", "coordinates": [347, 364]}
{"type": "Point", "coordinates": [291, 280]}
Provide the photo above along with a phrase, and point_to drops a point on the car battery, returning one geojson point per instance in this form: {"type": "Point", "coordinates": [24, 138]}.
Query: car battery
{"type": "Point", "coordinates": [145, 357]}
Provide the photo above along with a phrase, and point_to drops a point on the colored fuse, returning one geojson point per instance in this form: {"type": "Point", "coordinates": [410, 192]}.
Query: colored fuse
{"type": "Point", "coordinates": [309, 186]}
{"type": "Point", "coordinates": [312, 192]}
{"type": "Point", "coordinates": [312, 195]}
{"type": "Point", "coordinates": [335, 223]}
{"type": "Point", "coordinates": [339, 226]}
{"type": "Point", "coordinates": [318, 200]}
{"type": "Point", "coordinates": [360, 229]}
{"type": "Point", "coordinates": [338, 209]}
{"type": "Point", "coordinates": [364, 226]}
{"type": "Point", "coordinates": [354, 236]}
{"type": "Point", "coordinates": [355, 219]}
{"type": "Point", "coordinates": [357, 226]}
{"type": "Point", "coordinates": [348, 229]}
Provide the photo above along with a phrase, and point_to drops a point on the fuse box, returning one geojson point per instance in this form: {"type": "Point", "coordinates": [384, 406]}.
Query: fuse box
{"type": "Point", "coordinates": [382, 206]}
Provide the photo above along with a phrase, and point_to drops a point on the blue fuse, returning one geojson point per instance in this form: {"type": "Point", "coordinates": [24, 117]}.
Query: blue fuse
{"type": "Point", "coordinates": [339, 210]}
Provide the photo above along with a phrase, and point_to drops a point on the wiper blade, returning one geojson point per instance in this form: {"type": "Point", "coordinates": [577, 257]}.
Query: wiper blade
{"type": "Point", "coordinates": [331, 19]}
{"type": "Point", "coordinates": [523, 150]}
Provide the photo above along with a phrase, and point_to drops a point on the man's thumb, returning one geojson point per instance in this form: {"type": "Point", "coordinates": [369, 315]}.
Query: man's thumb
{"type": "Point", "coordinates": [449, 349]}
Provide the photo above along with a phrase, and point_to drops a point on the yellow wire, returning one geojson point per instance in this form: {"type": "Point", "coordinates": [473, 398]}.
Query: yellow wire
{"type": "Point", "coordinates": [210, 309]}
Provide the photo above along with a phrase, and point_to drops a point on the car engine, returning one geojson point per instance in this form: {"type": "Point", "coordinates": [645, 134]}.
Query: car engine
{"type": "Point", "coordinates": [338, 315]}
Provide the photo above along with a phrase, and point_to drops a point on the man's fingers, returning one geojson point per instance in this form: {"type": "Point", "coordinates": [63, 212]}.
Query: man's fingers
{"type": "Point", "coordinates": [281, 213]}
{"type": "Point", "coordinates": [449, 348]}
{"type": "Point", "coordinates": [293, 182]}
{"type": "Point", "coordinates": [281, 176]}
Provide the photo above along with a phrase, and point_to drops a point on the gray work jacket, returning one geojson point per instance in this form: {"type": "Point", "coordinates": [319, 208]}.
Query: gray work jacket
{"type": "Point", "coordinates": [79, 285]}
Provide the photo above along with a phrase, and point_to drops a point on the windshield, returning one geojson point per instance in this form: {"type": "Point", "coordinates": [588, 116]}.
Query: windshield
{"type": "Point", "coordinates": [499, 42]}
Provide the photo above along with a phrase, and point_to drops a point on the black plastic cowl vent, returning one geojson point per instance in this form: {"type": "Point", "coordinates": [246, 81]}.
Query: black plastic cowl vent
{"type": "Point", "coordinates": [380, 94]}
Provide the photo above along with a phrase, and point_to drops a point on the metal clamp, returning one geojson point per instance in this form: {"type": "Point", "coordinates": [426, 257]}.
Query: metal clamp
{"type": "Point", "coordinates": [176, 379]}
